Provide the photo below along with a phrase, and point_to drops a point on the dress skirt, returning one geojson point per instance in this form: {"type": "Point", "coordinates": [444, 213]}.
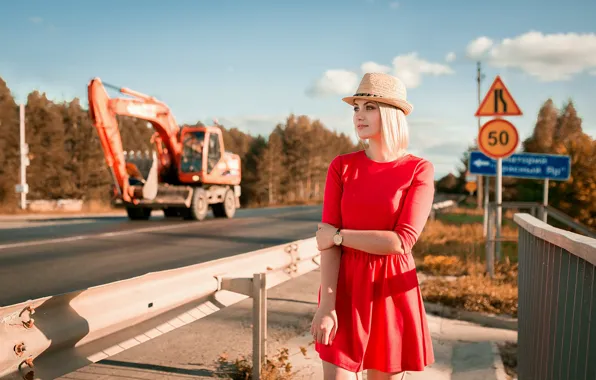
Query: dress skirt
{"type": "Point", "coordinates": [381, 318]}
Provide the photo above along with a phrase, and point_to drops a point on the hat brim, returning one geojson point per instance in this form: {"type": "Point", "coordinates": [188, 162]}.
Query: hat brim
{"type": "Point", "coordinates": [401, 104]}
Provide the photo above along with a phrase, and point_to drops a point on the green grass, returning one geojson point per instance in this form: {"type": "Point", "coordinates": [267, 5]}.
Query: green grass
{"type": "Point", "coordinates": [459, 219]}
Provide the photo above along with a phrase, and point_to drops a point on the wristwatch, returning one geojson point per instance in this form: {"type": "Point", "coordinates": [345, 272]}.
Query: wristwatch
{"type": "Point", "coordinates": [338, 238]}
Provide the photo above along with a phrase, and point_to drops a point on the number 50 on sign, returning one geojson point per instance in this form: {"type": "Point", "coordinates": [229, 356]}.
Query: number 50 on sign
{"type": "Point", "coordinates": [498, 138]}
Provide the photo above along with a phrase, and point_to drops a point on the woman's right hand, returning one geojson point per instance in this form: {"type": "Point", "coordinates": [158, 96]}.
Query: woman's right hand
{"type": "Point", "coordinates": [324, 325]}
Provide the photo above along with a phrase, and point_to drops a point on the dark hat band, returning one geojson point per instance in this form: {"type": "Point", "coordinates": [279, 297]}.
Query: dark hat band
{"type": "Point", "coordinates": [367, 94]}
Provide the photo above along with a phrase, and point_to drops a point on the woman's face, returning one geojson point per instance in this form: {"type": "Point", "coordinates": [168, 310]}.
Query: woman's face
{"type": "Point", "coordinates": [367, 119]}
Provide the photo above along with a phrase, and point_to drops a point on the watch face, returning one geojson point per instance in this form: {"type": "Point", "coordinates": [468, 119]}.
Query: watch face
{"type": "Point", "coordinates": [337, 239]}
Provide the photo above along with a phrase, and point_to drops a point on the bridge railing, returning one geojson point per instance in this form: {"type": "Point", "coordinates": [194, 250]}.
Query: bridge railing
{"type": "Point", "coordinates": [557, 302]}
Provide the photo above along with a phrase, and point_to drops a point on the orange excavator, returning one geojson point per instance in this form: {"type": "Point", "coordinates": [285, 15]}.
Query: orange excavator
{"type": "Point", "coordinates": [190, 171]}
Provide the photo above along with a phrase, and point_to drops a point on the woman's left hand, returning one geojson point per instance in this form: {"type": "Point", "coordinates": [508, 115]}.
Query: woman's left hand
{"type": "Point", "coordinates": [325, 236]}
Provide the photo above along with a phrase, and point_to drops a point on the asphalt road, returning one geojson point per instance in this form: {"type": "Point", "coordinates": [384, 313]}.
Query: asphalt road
{"type": "Point", "coordinates": [50, 257]}
{"type": "Point", "coordinates": [43, 257]}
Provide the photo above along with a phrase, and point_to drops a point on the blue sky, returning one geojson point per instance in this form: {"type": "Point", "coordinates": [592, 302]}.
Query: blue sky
{"type": "Point", "coordinates": [251, 63]}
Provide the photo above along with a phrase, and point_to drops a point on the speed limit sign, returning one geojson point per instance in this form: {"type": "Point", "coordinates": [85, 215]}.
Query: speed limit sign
{"type": "Point", "coordinates": [498, 138]}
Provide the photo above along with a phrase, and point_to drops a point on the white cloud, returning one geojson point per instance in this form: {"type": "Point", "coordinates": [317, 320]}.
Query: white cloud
{"type": "Point", "coordinates": [546, 57]}
{"type": "Point", "coordinates": [36, 20]}
{"type": "Point", "coordinates": [551, 57]}
{"type": "Point", "coordinates": [334, 82]}
{"type": "Point", "coordinates": [450, 57]}
{"type": "Point", "coordinates": [373, 67]}
{"type": "Point", "coordinates": [409, 68]}
{"type": "Point", "coordinates": [394, 4]}
{"type": "Point", "coordinates": [477, 48]}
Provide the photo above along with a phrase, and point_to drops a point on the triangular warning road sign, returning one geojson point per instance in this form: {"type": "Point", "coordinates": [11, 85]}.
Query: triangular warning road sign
{"type": "Point", "coordinates": [498, 101]}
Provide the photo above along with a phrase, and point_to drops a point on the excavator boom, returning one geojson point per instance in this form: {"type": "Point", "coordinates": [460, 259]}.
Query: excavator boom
{"type": "Point", "coordinates": [103, 111]}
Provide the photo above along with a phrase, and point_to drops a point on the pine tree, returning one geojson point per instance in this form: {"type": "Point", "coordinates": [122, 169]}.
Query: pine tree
{"type": "Point", "coordinates": [577, 196]}
{"type": "Point", "coordinates": [543, 135]}
{"type": "Point", "coordinates": [9, 147]}
{"type": "Point", "coordinates": [47, 176]}
{"type": "Point", "coordinates": [251, 175]}
{"type": "Point", "coordinates": [569, 126]}
{"type": "Point", "coordinates": [270, 168]}
{"type": "Point", "coordinates": [85, 162]}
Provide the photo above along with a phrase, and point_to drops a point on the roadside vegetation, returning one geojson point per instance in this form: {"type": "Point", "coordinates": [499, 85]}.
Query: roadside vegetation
{"type": "Point", "coordinates": [276, 368]}
{"type": "Point", "coordinates": [451, 261]}
{"type": "Point", "coordinates": [451, 258]}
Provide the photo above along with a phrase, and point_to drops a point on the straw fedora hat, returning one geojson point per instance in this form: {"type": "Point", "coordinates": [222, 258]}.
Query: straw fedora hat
{"type": "Point", "coordinates": [382, 88]}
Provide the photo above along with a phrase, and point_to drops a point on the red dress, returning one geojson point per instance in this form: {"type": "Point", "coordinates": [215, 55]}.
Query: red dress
{"type": "Point", "coordinates": [381, 318]}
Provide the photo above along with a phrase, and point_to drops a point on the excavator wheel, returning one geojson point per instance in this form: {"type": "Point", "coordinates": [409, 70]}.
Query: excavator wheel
{"type": "Point", "coordinates": [199, 206]}
{"type": "Point", "coordinates": [227, 208]}
{"type": "Point", "coordinates": [135, 213]}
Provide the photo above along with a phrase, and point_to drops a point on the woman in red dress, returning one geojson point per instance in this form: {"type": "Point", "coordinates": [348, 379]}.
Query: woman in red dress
{"type": "Point", "coordinates": [371, 315]}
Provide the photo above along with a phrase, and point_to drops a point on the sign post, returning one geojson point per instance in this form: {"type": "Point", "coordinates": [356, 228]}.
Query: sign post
{"type": "Point", "coordinates": [545, 201]}
{"type": "Point", "coordinates": [497, 138]}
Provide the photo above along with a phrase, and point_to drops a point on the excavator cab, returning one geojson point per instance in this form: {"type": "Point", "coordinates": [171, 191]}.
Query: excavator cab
{"type": "Point", "coordinates": [193, 144]}
{"type": "Point", "coordinates": [202, 158]}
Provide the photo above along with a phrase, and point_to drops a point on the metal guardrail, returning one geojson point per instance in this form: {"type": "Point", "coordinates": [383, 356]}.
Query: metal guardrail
{"type": "Point", "coordinates": [557, 302]}
{"type": "Point", "coordinates": [567, 220]}
{"type": "Point", "coordinates": [442, 206]}
{"type": "Point", "coordinates": [65, 332]}
{"type": "Point", "coordinates": [538, 210]}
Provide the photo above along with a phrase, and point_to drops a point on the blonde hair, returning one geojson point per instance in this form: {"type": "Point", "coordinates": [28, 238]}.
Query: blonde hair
{"type": "Point", "coordinates": [394, 129]}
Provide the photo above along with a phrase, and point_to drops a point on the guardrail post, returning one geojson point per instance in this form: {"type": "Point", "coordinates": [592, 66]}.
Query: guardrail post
{"type": "Point", "coordinates": [259, 318]}
{"type": "Point", "coordinates": [256, 288]}
{"type": "Point", "coordinates": [543, 213]}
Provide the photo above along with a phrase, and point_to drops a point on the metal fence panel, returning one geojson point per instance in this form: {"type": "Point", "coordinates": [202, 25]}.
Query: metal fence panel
{"type": "Point", "coordinates": [557, 281]}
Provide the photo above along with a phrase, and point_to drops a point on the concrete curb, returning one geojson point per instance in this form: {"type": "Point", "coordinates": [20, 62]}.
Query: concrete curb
{"type": "Point", "coordinates": [488, 320]}
{"type": "Point", "coordinates": [39, 217]}
{"type": "Point", "coordinates": [498, 363]}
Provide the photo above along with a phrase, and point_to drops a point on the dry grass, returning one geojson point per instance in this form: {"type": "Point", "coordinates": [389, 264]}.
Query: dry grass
{"type": "Point", "coordinates": [447, 248]}
{"type": "Point", "coordinates": [475, 292]}
{"type": "Point", "coordinates": [461, 238]}
{"type": "Point", "coordinates": [92, 206]}
{"type": "Point", "coordinates": [277, 368]}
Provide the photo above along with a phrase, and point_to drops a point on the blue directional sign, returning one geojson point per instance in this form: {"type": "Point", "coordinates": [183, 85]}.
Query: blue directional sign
{"type": "Point", "coordinates": [523, 165]}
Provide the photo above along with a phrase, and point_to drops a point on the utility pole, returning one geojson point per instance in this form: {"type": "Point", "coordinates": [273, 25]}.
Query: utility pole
{"type": "Point", "coordinates": [22, 187]}
{"type": "Point", "coordinates": [482, 187]}
{"type": "Point", "coordinates": [479, 178]}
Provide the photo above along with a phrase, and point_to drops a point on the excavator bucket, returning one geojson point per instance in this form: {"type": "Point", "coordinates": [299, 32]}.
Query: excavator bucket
{"type": "Point", "coordinates": [144, 178]}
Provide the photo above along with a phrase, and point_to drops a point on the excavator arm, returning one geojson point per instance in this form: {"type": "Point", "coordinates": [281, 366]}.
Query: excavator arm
{"type": "Point", "coordinates": [103, 111]}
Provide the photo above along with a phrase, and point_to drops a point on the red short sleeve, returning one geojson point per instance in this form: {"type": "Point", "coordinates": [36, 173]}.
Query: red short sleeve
{"type": "Point", "coordinates": [333, 192]}
{"type": "Point", "coordinates": [417, 205]}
